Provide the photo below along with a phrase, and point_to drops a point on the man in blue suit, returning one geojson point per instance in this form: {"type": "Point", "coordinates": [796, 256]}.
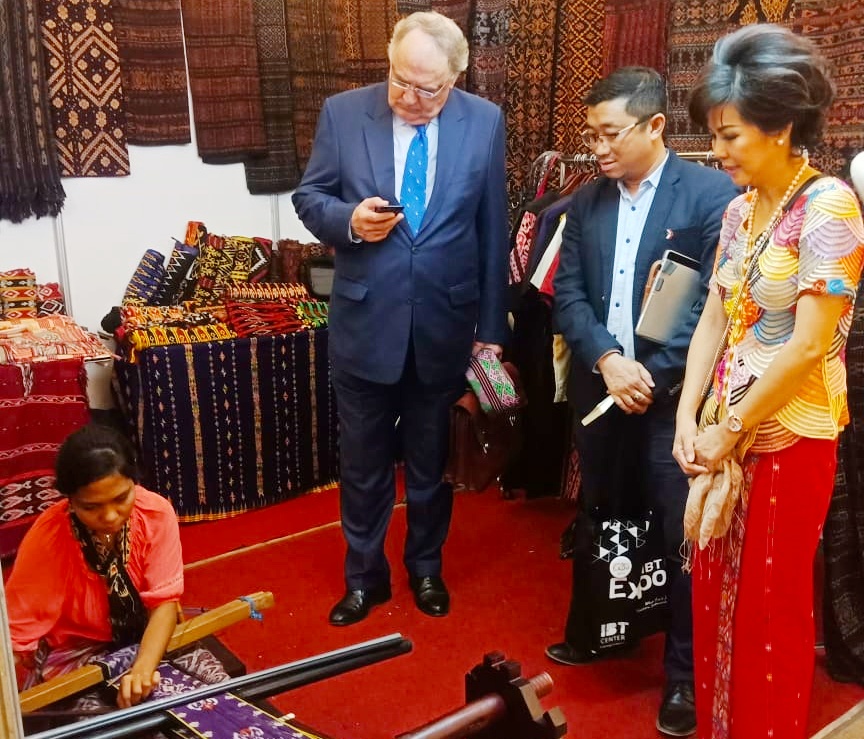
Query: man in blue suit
{"type": "Point", "coordinates": [413, 294]}
{"type": "Point", "coordinates": [648, 200]}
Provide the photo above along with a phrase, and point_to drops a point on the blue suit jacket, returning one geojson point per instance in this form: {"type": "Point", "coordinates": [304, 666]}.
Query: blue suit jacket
{"type": "Point", "coordinates": [443, 287]}
{"type": "Point", "coordinates": [685, 216]}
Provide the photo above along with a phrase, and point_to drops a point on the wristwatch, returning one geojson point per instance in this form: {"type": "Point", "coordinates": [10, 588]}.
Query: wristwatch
{"type": "Point", "coordinates": [734, 423]}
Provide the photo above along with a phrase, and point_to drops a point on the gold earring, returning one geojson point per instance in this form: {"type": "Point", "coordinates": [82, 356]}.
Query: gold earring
{"type": "Point", "coordinates": [779, 142]}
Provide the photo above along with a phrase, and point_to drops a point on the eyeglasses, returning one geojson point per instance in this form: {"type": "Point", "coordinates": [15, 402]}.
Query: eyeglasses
{"type": "Point", "coordinates": [592, 139]}
{"type": "Point", "coordinates": [420, 92]}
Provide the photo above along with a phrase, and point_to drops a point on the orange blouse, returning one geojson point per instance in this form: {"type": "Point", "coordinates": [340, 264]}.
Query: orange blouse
{"type": "Point", "coordinates": [53, 593]}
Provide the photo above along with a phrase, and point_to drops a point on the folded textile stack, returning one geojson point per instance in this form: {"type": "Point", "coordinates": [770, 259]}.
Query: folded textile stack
{"type": "Point", "coordinates": [22, 297]}
{"type": "Point", "coordinates": [27, 340]}
{"type": "Point", "coordinates": [217, 287]}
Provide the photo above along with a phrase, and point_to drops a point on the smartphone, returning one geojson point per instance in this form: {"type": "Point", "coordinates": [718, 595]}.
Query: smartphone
{"type": "Point", "coordinates": [389, 208]}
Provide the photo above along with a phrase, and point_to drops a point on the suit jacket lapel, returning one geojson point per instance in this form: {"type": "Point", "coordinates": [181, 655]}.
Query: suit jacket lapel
{"type": "Point", "coordinates": [653, 243]}
{"type": "Point", "coordinates": [607, 225]}
{"type": "Point", "coordinates": [378, 132]}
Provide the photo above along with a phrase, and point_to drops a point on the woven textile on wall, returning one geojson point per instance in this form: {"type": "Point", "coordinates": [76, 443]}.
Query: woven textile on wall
{"type": "Point", "coordinates": [487, 38]}
{"type": "Point", "coordinates": [229, 426]}
{"type": "Point", "coordinates": [277, 171]}
{"type": "Point", "coordinates": [694, 26]}
{"type": "Point", "coordinates": [577, 63]}
{"type": "Point", "coordinates": [84, 87]}
{"type": "Point", "coordinates": [553, 57]}
{"type": "Point", "coordinates": [316, 29]}
{"type": "Point", "coordinates": [223, 77]}
{"type": "Point", "coordinates": [744, 12]}
{"type": "Point", "coordinates": [365, 33]}
{"type": "Point", "coordinates": [40, 404]}
{"type": "Point", "coordinates": [29, 172]}
{"type": "Point", "coordinates": [837, 27]}
{"type": "Point", "coordinates": [153, 71]}
{"type": "Point", "coordinates": [635, 34]}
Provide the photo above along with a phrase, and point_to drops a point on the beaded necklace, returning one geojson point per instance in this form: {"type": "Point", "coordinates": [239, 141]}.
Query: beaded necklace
{"type": "Point", "coordinates": [753, 250]}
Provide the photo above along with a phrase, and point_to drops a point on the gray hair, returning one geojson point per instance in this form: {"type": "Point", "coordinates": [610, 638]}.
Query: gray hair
{"type": "Point", "coordinates": [446, 34]}
{"type": "Point", "coordinates": [773, 77]}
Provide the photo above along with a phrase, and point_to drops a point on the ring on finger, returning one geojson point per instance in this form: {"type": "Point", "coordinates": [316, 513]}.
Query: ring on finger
{"type": "Point", "coordinates": [637, 397]}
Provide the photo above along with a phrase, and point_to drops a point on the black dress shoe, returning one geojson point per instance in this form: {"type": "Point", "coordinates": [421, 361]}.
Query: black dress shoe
{"type": "Point", "coordinates": [677, 715]}
{"type": "Point", "coordinates": [355, 604]}
{"type": "Point", "coordinates": [430, 595]}
{"type": "Point", "coordinates": [567, 654]}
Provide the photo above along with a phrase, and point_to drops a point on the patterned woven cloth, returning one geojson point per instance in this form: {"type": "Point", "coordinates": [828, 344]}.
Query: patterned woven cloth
{"type": "Point", "coordinates": [635, 34]}
{"type": "Point", "coordinates": [179, 280]}
{"type": "Point", "coordinates": [146, 280]}
{"type": "Point", "coordinates": [49, 300]}
{"type": "Point", "coordinates": [224, 79]}
{"type": "Point", "coordinates": [277, 171]}
{"type": "Point", "coordinates": [153, 71]}
{"type": "Point", "coordinates": [491, 384]}
{"type": "Point", "coordinates": [40, 404]}
{"type": "Point", "coordinates": [259, 415]}
{"type": "Point", "coordinates": [837, 27]}
{"type": "Point", "coordinates": [487, 38]}
{"type": "Point", "coordinates": [18, 294]}
{"type": "Point", "coordinates": [29, 172]}
{"type": "Point", "coordinates": [52, 337]}
{"type": "Point", "coordinates": [84, 87]}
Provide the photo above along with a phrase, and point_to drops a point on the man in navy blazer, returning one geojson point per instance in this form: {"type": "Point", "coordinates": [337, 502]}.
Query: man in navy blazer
{"type": "Point", "coordinates": [413, 293]}
{"type": "Point", "coordinates": [647, 201]}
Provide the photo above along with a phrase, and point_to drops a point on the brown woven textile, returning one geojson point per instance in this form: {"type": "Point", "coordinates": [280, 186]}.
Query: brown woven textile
{"type": "Point", "coordinates": [224, 79]}
{"type": "Point", "coordinates": [457, 10]}
{"type": "Point", "coordinates": [487, 38]}
{"type": "Point", "coordinates": [530, 69]}
{"type": "Point", "coordinates": [29, 173]}
{"type": "Point", "coordinates": [694, 26]}
{"type": "Point", "coordinates": [278, 171]}
{"type": "Point", "coordinates": [316, 28]}
{"type": "Point", "coordinates": [837, 27]}
{"type": "Point", "coordinates": [367, 25]}
{"type": "Point", "coordinates": [635, 34]}
{"type": "Point", "coordinates": [153, 71]}
{"type": "Point", "coordinates": [744, 12]}
{"type": "Point", "coordinates": [578, 61]}
{"type": "Point", "coordinates": [553, 57]}
{"type": "Point", "coordinates": [84, 87]}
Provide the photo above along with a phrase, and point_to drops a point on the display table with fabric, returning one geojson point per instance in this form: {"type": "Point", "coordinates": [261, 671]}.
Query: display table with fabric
{"type": "Point", "coordinates": [228, 426]}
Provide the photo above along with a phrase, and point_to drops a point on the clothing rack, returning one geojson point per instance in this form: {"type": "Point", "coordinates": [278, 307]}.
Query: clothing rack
{"type": "Point", "coordinates": [543, 168]}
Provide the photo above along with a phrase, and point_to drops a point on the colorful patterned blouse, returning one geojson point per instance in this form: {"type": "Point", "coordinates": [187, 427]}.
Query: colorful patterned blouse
{"type": "Point", "coordinates": [817, 248]}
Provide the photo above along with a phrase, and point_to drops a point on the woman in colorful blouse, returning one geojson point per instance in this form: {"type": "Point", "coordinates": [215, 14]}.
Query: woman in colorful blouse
{"type": "Point", "coordinates": [784, 282]}
{"type": "Point", "coordinates": [97, 571]}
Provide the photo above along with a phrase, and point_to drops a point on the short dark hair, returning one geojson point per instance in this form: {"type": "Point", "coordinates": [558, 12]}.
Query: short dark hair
{"type": "Point", "coordinates": [773, 77]}
{"type": "Point", "coordinates": [91, 453]}
{"type": "Point", "coordinates": [642, 87]}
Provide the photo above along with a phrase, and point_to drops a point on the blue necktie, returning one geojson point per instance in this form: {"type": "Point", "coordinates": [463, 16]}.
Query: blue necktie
{"type": "Point", "coordinates": [413, 195]}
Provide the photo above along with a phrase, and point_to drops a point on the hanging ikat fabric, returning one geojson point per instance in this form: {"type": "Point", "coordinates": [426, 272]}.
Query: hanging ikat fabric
{"type": "Point", "coordinates": [153, 70]}
{"type": "Point", "coordinates": [84, 88]}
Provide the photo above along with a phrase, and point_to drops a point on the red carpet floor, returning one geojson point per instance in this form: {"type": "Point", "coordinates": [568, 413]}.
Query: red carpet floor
{"type": "Point", "coordinates": [509, 591]}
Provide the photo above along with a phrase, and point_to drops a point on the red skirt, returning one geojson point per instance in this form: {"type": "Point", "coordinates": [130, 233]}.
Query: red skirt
{"type": "Point", "coordinates": [753, 629]}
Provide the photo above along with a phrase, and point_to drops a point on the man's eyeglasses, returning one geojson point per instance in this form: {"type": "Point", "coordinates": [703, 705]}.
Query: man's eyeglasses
{"type": "Point", "coordinates": [592, 139]}
{"type": "Point", "coordinates": [420, 92]}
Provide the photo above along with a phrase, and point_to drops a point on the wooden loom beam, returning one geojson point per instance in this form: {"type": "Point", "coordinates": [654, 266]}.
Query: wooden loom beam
{"type": "Point", "coordinates": [185, 633]}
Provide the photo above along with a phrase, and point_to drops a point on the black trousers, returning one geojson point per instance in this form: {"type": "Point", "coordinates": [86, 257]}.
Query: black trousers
{"type": "Point", "coordinates": [369, 441]}
{"type": "Point", "coordinates": [627, 471]}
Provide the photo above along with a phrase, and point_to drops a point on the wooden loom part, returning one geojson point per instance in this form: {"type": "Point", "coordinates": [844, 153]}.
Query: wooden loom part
{"type": "Point", "coordinates": [185, 633]}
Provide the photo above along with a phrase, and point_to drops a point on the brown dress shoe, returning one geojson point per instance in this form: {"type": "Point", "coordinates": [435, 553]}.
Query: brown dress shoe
{"type": "Point", "coordinates": [356, 604]}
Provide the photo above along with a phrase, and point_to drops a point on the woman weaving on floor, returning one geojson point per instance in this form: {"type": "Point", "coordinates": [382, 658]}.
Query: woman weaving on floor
{"type": "Point", "coordinates": [98, 571]}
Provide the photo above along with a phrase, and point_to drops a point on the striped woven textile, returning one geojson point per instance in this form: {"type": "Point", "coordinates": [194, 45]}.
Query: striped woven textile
{"type": "Point", "coordinates": [635, 34]}
{"type": "Point", "coordinates": [224, 79]}
{"type": "Point", "coordinates": [84, 87]}
{"type": "Point", "coordinates": [29, 170]}
{"type": "Point", "coordinates": [153, 71]}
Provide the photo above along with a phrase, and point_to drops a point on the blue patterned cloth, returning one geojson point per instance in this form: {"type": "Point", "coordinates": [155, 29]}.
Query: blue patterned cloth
{"type": "Point", "coordinates": [413, 195]}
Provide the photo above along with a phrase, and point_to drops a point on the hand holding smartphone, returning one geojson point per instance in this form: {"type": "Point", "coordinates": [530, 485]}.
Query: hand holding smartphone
{"type": "Point", "coordinates": [394, 208]}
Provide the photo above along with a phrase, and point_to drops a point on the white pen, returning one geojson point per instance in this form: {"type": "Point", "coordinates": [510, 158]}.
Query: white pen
{"type": "Point", "coordinates": [598, 410]}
